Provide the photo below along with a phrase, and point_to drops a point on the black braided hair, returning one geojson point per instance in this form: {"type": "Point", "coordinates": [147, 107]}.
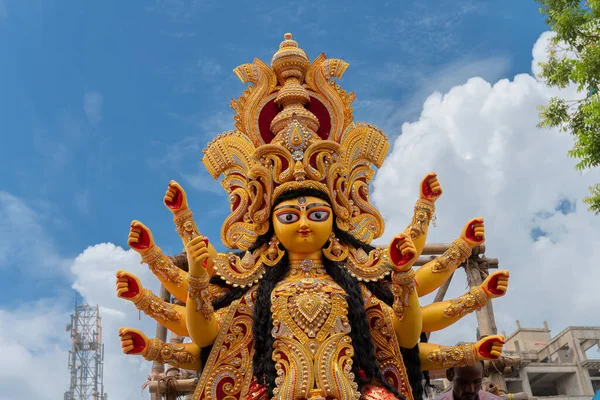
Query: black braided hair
{"type": "Point", "coordinates": [364, 351]}
{"type": "Point", "coordinates": [412, 361]}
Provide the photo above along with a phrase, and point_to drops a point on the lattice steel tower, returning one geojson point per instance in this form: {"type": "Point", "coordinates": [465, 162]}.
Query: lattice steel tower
{"type": "Point", "coordinates": [86, 357]}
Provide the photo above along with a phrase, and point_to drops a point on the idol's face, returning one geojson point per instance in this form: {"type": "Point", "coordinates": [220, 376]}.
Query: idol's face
{"type": "Point", "coordinates": [303, 225]}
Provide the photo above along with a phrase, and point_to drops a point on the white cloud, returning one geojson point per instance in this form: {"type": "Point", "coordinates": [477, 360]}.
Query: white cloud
{"type": "Point", "coordinates": [22, 230]}
{"type": "Point", "coordinates": [494, 162]}
{"type": "Point", "coordinates": [34, 342]}
{"type": "Point", "coordinates": [418, 84]}
{"type": "Point", "coordinates": [94, 271]}
{"type": "Point", "coordinates": [92, 105]}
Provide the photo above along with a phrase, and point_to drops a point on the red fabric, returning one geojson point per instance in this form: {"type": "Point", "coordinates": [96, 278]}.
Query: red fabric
{"type": "Point", "coordinates": [372, 392]}
{"type": "Point", "coordinates": [256, 391]}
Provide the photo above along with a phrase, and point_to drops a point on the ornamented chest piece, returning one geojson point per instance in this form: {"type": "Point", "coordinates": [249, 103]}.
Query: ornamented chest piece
{"type": "Point", "coordinates": [306, 265]}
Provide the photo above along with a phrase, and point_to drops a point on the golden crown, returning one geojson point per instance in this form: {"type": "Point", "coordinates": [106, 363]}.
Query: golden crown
{"type": "Point", "coordinates": [295, 129]}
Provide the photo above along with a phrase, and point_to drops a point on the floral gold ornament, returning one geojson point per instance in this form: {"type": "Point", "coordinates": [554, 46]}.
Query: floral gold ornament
{"type": "Point", "coordinates": [301, 305]}
{"type": "Point", "coordinates": [200, 294]}
{"type": "Point", "coordinates": [336, 251]}
{"type": "Point", "coordinates": [273, 254]}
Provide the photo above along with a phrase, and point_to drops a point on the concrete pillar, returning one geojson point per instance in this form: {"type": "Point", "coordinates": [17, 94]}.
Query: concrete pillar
{"type": "Point", "coordinates": [525, 382]}
{"type": "Point", "coordinates": [583, 376]}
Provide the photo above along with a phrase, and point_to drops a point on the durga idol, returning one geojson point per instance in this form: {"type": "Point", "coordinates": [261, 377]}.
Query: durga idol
{"type": "Point", "coordinates": [302, 305]}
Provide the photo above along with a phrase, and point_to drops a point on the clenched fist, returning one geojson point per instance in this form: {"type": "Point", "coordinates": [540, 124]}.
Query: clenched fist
{"type": "Point", "coordinates": [128, 286]}
{"type": "Point", "coordinates": [402, 253]}
{"type": "Point", "coordinates": [489, 348]}
{"type": "Point", "coordinates": [133, 341]}
{"type": "Point", "coordinates": [473, 232]}
{"type": "Point", "coordinates": [430, 187]}
{"type": "Point", "coordinates": [197, 255]}
{"type": "Point", "coordinates": [140, 238]}
{"type": "Point", "coordinates": [175, 198]}
{"type": "Point", "coordinates": [496, 284]}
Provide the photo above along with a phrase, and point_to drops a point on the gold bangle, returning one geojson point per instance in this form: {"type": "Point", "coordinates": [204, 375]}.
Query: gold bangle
{"type": "Point", "coordinates": [466, 303]}
{"type": "Point", "coordinates": [185, 225]}
{"type": "Point", "coordinates": [153, 349]}
{"type": "Point", "coordinates": [157, 308]}
{"type": "Point", "coordinates": [456, 356]}
{"type": "Point", "coordinates": [169, 353]}
{"type": "Point", "coordinates": [198, 291]}
{"type": "Point", "coordinates": [423, 214]}
{"type": "Point", "coordinates": [480, 296]}
{"type": "Point", "coordinates": [162, 266]}
{"type": "Point", "coordinates": [403, 285]}
{"type": "Point", "coordinates": [457, 253]}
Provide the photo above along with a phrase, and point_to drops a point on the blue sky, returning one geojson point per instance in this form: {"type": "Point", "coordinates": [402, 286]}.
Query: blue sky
{"type": "Point", "coordinates": [102, 103]}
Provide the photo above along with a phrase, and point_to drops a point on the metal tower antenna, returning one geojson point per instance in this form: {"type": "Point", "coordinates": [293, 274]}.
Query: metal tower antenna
{"type": "Point", "coordinates": [86, 357]}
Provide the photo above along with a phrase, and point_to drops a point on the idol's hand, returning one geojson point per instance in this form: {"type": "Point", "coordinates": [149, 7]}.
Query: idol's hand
{"type": "Point", "coordinates": [129, 286]}
{"type": "Point", "coordinates": [489, 348]}
{"type": "Point", "coordinates": [473, 232]}
{"type": "Point", "coordinates": [133, 342]}
{"type": "Point", "coordinates": [496, 284]}
{"type": "Point", "coordinates": [431, 189]}
{"type": "Point", "coordinates": [175, 198]}
{"type": "Point", "coordinates": [197, 255]}
{"type": "Point", "coordinates": [140, 238]}
{"type": "Point", "coordinates": [403, 253]}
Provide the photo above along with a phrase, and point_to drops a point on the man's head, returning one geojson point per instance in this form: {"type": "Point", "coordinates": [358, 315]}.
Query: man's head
{"type": "Point", "coordinates": [466, 381]}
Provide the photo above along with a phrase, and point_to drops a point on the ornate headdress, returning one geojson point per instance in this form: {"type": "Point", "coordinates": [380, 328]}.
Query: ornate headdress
{"type": "Point", "coordinates": [295, 129]}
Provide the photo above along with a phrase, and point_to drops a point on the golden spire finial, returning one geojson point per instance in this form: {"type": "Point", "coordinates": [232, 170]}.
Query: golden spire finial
{"type": "Point", "coordinates": [290, 64]}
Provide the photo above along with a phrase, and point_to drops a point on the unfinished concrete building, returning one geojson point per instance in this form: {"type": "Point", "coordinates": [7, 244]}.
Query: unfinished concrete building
{"type": "Point", "coordinates": [566, 366]}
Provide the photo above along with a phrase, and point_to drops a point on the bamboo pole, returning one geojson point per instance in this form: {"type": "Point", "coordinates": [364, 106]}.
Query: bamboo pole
{"type": "Point", "coordinates": [485, 317]}
{"type": "Point", "coordinates": [181, 385]}
{"type": "Point", "coordinates": [161, 334]}
{"type": "Point", "coordinates": [439, 248]}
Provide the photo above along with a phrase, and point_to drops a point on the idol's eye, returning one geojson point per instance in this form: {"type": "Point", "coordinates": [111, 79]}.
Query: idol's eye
{"type": "Point", "coordinates": [287, 217]}
{"type": "Point", "coordinates": [318, 215]}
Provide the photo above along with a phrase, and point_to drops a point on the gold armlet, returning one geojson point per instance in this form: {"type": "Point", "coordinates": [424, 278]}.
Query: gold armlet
{"type": "Point", "coordinates": [156, 308]}
{"type": "Point", "coordinates": [457, 253]}
{"type": "Point", "coordinates": [467, 303]}
{"type": "Point", "coordinates": [185, 225]}
{"type": "Point", "coordinates": [424, 213]}
{"type": "Point", "coordinates": [169, 353]}
{"type": "Point", "coordinates": [455, 356]}
{"type": "Point", "coordinates": [162, 266]}
{"type": "Point", "coordinates": [403, 285]}
{"type": "Point", "coordinates": [198, 291]}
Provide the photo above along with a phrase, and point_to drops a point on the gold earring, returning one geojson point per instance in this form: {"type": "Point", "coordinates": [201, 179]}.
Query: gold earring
{"type": "Point", "coordinates": [273, 254]}
{"type": "Point", "coordinates": [336, 251]}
